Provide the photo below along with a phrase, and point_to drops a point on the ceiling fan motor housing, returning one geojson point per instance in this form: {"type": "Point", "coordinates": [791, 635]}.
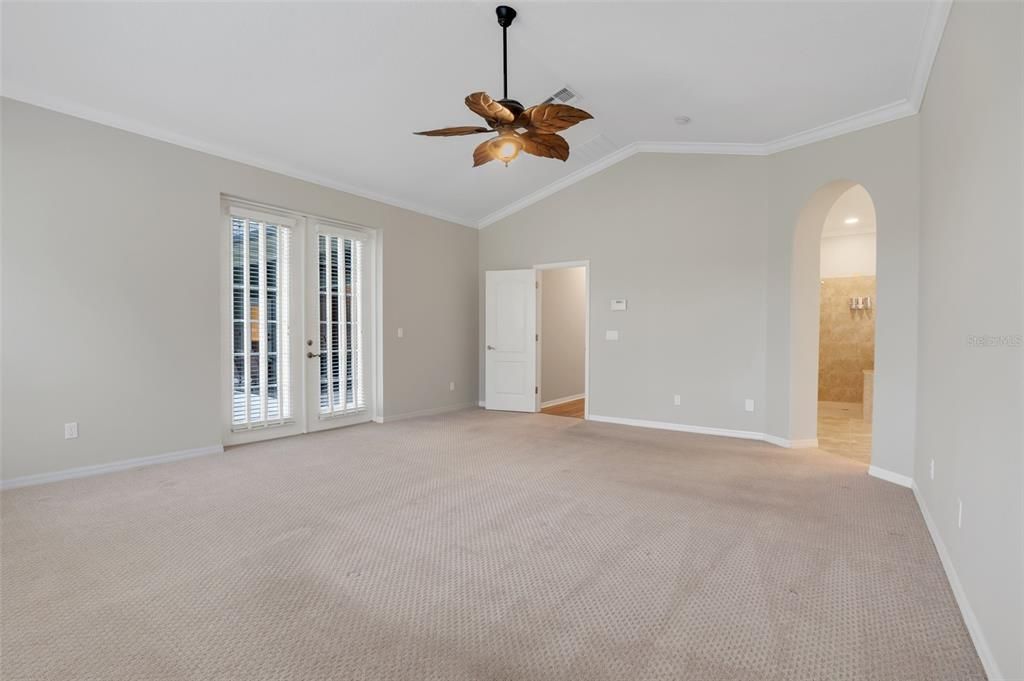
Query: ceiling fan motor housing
{"type": "Point", "coordinates": [512, 105]}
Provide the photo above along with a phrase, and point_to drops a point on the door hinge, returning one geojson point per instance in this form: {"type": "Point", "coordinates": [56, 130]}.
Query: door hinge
{"type": "Point", "coordinates": [536, 337]}
{"type": "Point", "coordinates": [536, 390]}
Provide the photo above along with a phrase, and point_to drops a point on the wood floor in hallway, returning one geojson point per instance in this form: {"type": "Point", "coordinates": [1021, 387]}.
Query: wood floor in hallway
{"type": "Point", "coordinates": [573, 409]}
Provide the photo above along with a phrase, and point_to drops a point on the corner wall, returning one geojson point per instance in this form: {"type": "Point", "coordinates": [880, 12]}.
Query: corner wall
{"type": "Point", "coordinates": [111, 282]}
{"type": "Point", "coordinates": [971, 387]}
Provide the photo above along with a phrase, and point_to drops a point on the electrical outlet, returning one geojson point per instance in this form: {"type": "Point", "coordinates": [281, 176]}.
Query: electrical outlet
{"type": "Point", "coordinates": [959, 514]}
{"type": "Point", "coordinates": [70, 430]}
{"type": "Point", "coordinates": [401, 332]}
{"type": "Point", "coordinates": [748, 405]}
{"type": "Point", "coordinates": [611, 335]}
{"type": "Point", "coordinates": [677, 399]}
{"type": "Point", "coordinates": [451, 387]}
{"type": "Point", "coordinates": [931, 472]}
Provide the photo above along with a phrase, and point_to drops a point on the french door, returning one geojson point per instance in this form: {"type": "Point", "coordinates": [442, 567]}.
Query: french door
{"type": "Point", "coordinates": [300, 324]}
{"type": "Point", "coordinates": [336, 347]}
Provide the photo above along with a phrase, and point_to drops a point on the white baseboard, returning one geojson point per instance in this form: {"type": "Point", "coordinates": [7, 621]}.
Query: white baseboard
{"type": "Point", "coordinates": [790, 444]}
{"type": "Point", "coordinates": [684, 428]}
{"type": "Point", "coordinates": [970, 620]}
{"type": "Point", "coordinates": [704, 430]}
{"type": "Point", "coordinates": [562, 400]}
{"type": "Point", "coordinates": [889, 476]}
{"type": "Point", "coordinates": [426, 412]}
{"type": "Point", "coordinates": [100, 469]}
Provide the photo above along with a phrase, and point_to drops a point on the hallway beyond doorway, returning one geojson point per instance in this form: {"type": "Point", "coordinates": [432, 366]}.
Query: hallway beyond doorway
{"type": "Point", "coordinates": [842, 430]}
{"type": "Point", "coordinates": [573, 409]}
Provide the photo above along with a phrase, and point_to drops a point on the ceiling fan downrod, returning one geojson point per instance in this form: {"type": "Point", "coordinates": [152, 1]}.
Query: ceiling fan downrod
{"type": "Point", "coordinates": [505, 16]}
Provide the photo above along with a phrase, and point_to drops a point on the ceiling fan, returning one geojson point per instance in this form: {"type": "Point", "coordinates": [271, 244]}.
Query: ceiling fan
{"type": "Point", "coordinates": [533, 130]}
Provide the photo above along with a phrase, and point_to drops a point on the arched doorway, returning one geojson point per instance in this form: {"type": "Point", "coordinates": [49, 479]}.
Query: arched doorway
{"type": "Point", "coordinates": [832, 321]}
{"type": "Point", "coordinates": [846, 337]}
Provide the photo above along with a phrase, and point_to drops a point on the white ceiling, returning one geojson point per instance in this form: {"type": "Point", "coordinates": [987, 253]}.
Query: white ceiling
{"type": "Point", "coordinates": [331, 92]}
{"type": "Point", "coordinates": [855, 202]}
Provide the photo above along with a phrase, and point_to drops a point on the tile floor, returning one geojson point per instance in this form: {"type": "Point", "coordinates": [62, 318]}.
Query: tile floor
{"type": "Point", "coordinates": [842, 430]}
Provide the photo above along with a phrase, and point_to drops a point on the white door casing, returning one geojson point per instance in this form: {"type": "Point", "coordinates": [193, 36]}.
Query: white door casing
{"type": "Point", "coordinates": [510, 343]}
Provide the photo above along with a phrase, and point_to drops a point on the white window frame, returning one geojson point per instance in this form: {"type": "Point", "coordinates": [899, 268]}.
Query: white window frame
{"type": "Point", "coordinates": [302, 225]}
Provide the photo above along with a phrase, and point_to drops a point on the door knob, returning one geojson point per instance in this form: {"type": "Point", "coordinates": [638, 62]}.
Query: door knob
{"type": "Point", "coordinates": [311, 355]}
{"type": "Point", "coordinates": [491, 347]}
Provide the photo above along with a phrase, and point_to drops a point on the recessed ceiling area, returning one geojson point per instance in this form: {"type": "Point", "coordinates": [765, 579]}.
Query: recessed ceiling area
{"type": "Point", "coordinates": [331, 92]}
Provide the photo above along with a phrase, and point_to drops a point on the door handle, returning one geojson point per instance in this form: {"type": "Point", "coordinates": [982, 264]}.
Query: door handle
{"type": "Point", "coordinates": [311, 355]}
{"type": "Point", "coordinates": [491, 347]}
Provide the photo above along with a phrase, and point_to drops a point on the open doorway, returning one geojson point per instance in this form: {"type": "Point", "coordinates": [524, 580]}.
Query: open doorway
{"type": "Point", "coordinates": [846, 340]}
{"type": "Point", "coordinates": [562, 339]}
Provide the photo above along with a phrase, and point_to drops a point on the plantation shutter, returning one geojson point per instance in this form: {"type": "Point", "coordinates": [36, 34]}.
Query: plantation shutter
{"type": "Point", "coordinates": [261, 247]}
{"type": "Point", "coordinates": [341, 282]}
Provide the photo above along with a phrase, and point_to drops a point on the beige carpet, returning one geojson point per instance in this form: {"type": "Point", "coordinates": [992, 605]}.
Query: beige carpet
{"type": "Point", "coordinates": [479, 546]}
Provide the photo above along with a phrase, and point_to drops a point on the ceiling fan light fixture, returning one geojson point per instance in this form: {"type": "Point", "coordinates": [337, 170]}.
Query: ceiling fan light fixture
{"type": "Point", "coordinates": [506, 147]}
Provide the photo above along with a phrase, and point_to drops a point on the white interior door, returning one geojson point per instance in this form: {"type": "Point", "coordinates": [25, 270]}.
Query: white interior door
{"type": "Point", "coordinates": [511, 340]}
{"type": "Point", "coordinates": [338, 348]}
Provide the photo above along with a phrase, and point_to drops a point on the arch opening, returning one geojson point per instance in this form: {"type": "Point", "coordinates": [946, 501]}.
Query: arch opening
{"type": "Point", "coordinates": [832, 317]}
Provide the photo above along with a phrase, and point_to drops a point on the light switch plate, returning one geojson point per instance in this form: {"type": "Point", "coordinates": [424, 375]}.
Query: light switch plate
{"type": "Point", "coordinates": [70, 430]}
{"type": "Point", "coordinates": [611, 335]}
{"type": "Point", "coordinates": [749, 405]}
{"type": "Point", "coordinates": [401, 332]}
{"type": "Point", "coordinates": [619, 304]}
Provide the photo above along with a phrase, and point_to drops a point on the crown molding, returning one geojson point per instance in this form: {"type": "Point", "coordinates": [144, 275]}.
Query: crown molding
{"type": "Point", "coordinates": [861, 121]}
{"type": "Point", "coordinates": [928, 48]}
{"type": "Point", "coordinates": [130, 125]}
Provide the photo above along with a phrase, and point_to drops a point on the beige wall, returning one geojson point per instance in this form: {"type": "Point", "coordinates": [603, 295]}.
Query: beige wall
{"type": "Point", "coordinates": [563, 332]}
{"type": "Point", "coordinates": [971, 395]}
{"type": "Point", "coordinates": [846, 342]}
{"type": "Point", "coordinates": [111, 276]}
{"type": "Point", "coordinates": [702, 247]}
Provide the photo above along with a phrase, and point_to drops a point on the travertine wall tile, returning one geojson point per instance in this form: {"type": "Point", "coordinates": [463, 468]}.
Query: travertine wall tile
{"type": "Point", "coordinates": [846, 344]}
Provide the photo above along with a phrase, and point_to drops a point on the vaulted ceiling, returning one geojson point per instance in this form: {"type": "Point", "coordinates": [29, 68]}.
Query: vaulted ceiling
{"type": "Point", "coordinates": [331, 92]}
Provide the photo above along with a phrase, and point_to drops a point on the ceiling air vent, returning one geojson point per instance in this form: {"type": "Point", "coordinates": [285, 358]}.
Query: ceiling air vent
{"type": "Point", "coordinates": [563, 96]}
